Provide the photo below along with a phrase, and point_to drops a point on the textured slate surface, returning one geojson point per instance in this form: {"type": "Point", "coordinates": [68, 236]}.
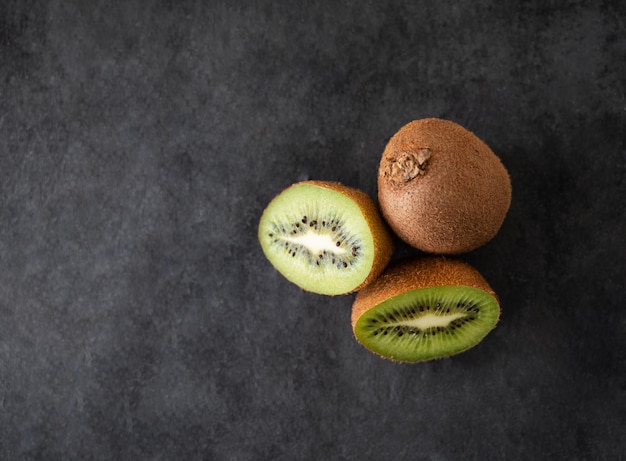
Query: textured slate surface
{"type": "Point", "coordinates": [139, 144]}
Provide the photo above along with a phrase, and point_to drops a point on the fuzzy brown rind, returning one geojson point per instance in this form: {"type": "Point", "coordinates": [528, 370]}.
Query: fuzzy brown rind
{"type": "Point", "coordinates": [383, 242]}
{"type": "Point", "coordinates": [441, 189]}
{"type": "Point", "coordinates": [415, 273]}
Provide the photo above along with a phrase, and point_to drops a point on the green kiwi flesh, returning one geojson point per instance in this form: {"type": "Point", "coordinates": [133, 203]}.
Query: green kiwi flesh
{"type": "Point", "coordinates": [428, 323]}
{"type": "Point", "coordinates": [324, 237]}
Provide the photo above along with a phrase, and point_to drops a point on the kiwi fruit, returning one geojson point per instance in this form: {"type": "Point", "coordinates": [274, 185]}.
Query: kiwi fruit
{"type": "Point", "coordinates": [325, 237]}
{"type": "Point", "coordinates": [424, 308]}
{"type": "Point", "coordinates": [441, 189]}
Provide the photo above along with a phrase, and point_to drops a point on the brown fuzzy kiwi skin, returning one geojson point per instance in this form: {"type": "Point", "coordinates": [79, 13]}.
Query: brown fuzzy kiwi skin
{"type": "Point", "coordinates": [383, 242]}
{"type": "Point", "coordinates": [416, 273]}
{"type": "Point", "coordinates": [441, 189]}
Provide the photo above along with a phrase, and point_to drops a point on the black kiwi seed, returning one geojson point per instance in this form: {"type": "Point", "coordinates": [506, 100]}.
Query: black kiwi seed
{"type": "Point", "coordinates": [313, 223]}
{"type": "Point", "coordinates": [304, 220]}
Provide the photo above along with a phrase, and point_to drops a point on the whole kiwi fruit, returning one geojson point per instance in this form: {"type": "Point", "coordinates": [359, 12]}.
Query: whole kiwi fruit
{"type": "Point", "coordinates": [441, 189]}
{"type": "Point", "coordinates": [325, 237]}
{"type": "Point", "coordinates": [424, 308]}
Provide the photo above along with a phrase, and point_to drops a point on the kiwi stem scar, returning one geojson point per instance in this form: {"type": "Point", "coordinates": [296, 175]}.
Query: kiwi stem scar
{"type": "Point", "coordinates": [408, 166]}
{"type": "Point", "coordinates": [316, 243]}
{"type": "Point", "coordinates": [427, 321]}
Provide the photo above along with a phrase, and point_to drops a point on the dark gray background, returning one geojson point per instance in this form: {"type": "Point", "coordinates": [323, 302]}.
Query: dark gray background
{"type": "Point", "coordinates": [139, 144]}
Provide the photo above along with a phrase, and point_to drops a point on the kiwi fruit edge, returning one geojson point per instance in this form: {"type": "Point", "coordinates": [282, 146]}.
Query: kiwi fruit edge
{"type": "Point", "coordinates": [301, 209]}
{"type": "Point", "coordinates": [441, 189]}
{"type": "Point", "coordinates": [391, 316]}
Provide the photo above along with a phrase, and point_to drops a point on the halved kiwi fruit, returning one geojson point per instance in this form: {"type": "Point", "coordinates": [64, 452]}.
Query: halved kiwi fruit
{"type": "Point", "coordinates": [441, 189]}
{"type": "Point", "coordinates": [325, 237]}
{"type": "Point", "coordinates": [424, 308]}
